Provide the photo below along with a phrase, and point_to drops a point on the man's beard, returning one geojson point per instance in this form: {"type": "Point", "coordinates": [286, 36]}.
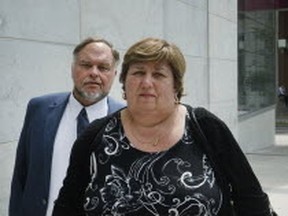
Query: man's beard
{"type": "Point", "coordinates": [91, 96]}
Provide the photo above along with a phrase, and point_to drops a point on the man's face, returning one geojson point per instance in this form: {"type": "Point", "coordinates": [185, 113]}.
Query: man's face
{"type": "Point", "coordinates": [93, 73]}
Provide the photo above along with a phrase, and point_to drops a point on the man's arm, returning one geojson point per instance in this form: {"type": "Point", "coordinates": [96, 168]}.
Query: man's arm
{"type": "Point", "coordinates": [20, 170]}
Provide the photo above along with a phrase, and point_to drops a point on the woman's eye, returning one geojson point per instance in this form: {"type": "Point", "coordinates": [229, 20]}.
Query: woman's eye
{"type": "Point", "coordinates": [138, 73]}
{"type": "Point", "coordinates": [158, 75]}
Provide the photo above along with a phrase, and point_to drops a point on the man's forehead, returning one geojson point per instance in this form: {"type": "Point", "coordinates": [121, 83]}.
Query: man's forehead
{"type": "Point", "coordinates": [101, 51]}
{"type": "Point", "coordinates": [97, 46]}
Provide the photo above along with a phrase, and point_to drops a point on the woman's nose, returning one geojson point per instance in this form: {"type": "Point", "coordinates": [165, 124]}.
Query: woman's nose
{"type": "Point", "coordinates": [147, 80]}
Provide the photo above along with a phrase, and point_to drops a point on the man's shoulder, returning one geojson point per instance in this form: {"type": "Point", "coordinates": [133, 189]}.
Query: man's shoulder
{"type": "Point", "coordinates": [114, 100]}
{"type": "Point", "coordinates": [114, 104]}
{"type": "Point", "coordinates": [50, 97]}
{"type": "Point", "coordinates": [49, 100]}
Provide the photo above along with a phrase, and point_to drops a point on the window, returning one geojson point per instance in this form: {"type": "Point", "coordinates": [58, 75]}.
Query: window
{"type": "Point", "coordinates": [256, 56]}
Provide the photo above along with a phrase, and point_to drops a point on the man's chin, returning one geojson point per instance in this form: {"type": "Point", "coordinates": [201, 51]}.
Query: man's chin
{"type": "Point", "coordinates": [90, 97]}
{"type": "Point", "coordinates": [93, 97]}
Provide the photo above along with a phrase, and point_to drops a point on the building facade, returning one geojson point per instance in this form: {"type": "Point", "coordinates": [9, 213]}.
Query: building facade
{"type": "Point", "coordinates": [229, 46]}
{"type": "Point", "coordinates": [262, 59]}
{"type": "Point", "coordinates": [231, 49]}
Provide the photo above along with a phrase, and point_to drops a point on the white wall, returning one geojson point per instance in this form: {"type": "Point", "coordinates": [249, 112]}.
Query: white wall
{"type": "Point", "coordinates": [37, 38]}
{"type": "Point", "coordinates": [257, 131]}
{"type": "Point", "coordinates": [223, 61]}
{"type": "Point", "coordinates": [28, 69]}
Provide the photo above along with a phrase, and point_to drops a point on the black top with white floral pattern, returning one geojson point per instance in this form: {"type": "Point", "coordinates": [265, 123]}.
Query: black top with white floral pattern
{"type": "Point", "coordinates": [127, 181]}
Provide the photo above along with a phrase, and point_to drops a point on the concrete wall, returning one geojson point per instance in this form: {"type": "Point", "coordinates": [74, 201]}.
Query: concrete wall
{"type": "Point", "coordinates": [37, 37]}
{"type": "Point", "coordinates": [223, 61]}
{"type": "Point", "coordinates": [36, 40]}
{"type": "Point", "coordinates": [257, 131]}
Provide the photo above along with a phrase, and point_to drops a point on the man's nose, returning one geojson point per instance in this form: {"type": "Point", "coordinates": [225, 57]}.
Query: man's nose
{"type": "Point", "coordinates": [94, 71]}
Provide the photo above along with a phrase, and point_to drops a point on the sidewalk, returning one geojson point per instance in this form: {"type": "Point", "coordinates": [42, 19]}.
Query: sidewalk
{"type": "Point", "coordinates": [270, 166]}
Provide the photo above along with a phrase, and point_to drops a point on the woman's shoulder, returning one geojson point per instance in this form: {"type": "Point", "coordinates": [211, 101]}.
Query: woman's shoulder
{"type": "Point", "coordinates": [200, 112]}
{"type": "Point", "coordinates": [101, 122]}
{"type": "Point", "coordinates": [205, 117]}
{"type": "Point", "coordinates": [90, 135]}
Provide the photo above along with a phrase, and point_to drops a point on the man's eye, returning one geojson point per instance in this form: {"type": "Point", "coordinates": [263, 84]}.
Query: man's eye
{"type": "Point", "coordinates": [86, 65]}
{"type": "Point", "coordinates": [104, 68]}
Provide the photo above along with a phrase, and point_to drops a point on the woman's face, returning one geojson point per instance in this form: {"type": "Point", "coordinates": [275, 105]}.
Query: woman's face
{"type": "Point", "coordinates": [149, 86]}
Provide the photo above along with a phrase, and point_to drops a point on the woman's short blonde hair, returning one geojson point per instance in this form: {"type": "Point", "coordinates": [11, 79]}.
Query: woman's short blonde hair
{"type": "Point", "coordinates": [154, 49]}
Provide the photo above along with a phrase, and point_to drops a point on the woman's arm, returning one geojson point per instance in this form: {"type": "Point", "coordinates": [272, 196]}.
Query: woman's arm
{"type": "Point", "coordinates": [247, 194]}
{"type": "Point", "coordinates": [71, 196]}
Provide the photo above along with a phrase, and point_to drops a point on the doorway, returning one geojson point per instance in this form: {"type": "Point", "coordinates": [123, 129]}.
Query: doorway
{"type": "Point", "coordinates": [282, 108]}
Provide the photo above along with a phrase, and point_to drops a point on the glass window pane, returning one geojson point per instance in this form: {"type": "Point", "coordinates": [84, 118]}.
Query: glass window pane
{"type": "Point", "coordinates": [256, 57]}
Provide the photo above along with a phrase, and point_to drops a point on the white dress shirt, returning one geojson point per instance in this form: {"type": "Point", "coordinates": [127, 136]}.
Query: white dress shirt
{"type": "Point", "coordinates": [65, 137]}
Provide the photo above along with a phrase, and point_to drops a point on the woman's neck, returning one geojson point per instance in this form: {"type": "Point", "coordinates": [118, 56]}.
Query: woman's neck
{"type": "Point", "coordinates": [152, 131]}
{"type": "Point", "coordinates": [151, 119]}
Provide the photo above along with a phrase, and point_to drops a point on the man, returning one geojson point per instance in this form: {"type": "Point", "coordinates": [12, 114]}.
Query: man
{"type": "Point", "coordinates": [50, 126]}
{"type": "Point", "coordinates": [282, 93]}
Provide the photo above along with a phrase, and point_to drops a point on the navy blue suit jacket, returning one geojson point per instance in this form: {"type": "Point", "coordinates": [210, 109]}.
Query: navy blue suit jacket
{"type": "Point", "coordinates": [31, 177]}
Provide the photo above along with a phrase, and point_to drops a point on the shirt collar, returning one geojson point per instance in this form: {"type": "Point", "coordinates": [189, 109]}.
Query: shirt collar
{"type": "Point", "coordinates": [94, 111]}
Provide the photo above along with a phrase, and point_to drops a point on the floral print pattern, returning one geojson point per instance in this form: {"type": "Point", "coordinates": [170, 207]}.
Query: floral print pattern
{"type": "Point", "coordinates": [126, 181]}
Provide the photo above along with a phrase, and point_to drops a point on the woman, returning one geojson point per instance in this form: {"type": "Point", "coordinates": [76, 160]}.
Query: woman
{"type": "Point", "coordinates": [152, 157]}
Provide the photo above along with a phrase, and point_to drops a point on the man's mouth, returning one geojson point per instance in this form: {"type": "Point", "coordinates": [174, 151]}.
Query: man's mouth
{"type": "Point", "coordinates": [92, 83]}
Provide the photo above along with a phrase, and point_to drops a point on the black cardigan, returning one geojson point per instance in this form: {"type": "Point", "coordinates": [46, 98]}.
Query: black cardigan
{"type": "Point", "coordinates": [242, 193]}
